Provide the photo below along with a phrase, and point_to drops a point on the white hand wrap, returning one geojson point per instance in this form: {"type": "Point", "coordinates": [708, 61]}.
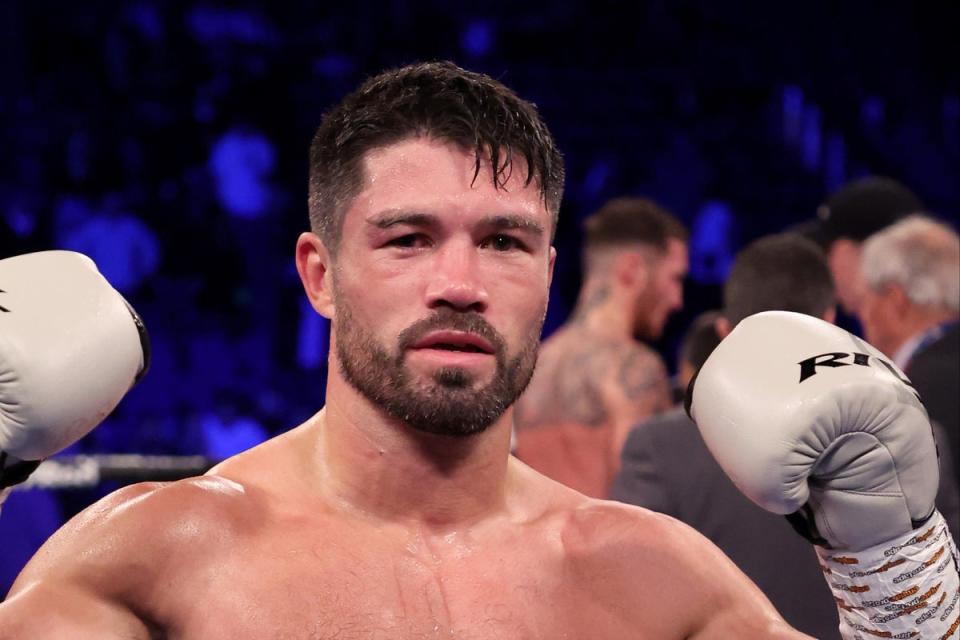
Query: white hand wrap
{"type": "Point", "coordinates": [905, 588]}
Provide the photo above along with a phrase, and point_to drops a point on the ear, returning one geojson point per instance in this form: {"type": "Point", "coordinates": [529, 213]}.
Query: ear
{"type": "Point", "coordinates": [631, 270]}
{"type": "Point", "coordinates": [722, 326]}
{"type": "Point", "coordinates": [316, 272]}
{"type": "Point", "coordinates": [551, 261]}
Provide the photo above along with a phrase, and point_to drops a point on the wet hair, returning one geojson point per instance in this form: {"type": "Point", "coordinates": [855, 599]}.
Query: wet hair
{"type": "Point", "coordinates": [436, 100]}
{"type": "Point", "coordinates": [784, 272]}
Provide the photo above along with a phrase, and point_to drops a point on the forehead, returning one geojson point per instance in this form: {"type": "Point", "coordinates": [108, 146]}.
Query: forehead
{"type": "Point", "coordinates": [430, 176]}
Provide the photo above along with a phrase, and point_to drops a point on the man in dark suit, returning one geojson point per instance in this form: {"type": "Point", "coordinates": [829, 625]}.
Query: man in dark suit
{"type": "Point", "coordinates": [935, 373]}
{"type": "Point", "coordinates": [667, 467]}
{"type": "Point", "coordinates": [911, 308]}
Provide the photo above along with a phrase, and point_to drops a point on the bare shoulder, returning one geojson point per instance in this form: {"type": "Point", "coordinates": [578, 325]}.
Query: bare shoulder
{"type": "Point", "coordinates": [590, 379]}
{"type": "Point", "coordinates": [639, 354]}
{"type": "Point", "coordinates": [626, 540]}
{"type": "Point", "coordinates": [109, 569]}
{"type": "Point", "coordinates": [640, 370]}
{"type": "Point", "coordinates": [608, 531]}
{"type": "Point", "coordinates": [638, 559]}
{"type": "Point", "coordinates": [593, 530]}
{"type": "Point", "coordinates": [115, 540]}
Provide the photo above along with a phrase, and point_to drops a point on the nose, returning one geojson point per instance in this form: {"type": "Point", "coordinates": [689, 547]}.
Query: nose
{"type": "Point", "coordinates": [455, 280]}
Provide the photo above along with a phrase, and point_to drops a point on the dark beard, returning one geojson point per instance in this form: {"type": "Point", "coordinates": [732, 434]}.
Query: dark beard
{"type": "Point", "coordinates": [448, 404]}
{"type": "Point", "coordinates": [643, 327]}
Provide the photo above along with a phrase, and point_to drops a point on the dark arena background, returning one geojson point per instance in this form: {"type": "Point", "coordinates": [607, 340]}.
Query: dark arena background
{"type": "Point", "coordinates": [168, 140]}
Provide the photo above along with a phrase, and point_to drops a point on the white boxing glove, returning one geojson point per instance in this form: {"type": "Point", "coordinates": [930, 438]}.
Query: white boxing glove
{"type": "Point", "coordinates": [809, 420]}
{"type": "Point", "coordinates": [70, 348]}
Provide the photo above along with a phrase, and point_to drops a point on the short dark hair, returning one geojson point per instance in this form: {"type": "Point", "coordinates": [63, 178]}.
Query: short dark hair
{"type": "Point", "coordinates": [625, 221]}
{"type": "Point", "coordinates": [784, 272]}
{"type": "Point", "coordinates": [434, 99]}
{"type": "Point", "coordinates": [700, 339]}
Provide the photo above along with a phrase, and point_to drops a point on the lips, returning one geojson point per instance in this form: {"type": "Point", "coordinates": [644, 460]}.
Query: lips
{"type": "Point", "coordinates": [455, 341]}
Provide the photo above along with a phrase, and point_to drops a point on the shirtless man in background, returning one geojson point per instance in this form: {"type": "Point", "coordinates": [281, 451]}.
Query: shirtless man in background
{"type": "Point", "coordinates": [595, 380]}
{"type": "Point", "coordinates": [396, 511]}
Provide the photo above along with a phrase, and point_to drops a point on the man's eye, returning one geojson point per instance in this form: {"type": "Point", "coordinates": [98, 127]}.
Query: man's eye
{"type": "Point", "coordinates": [502, 242]}
{"type": "Point", "coordinates": [409, 241]}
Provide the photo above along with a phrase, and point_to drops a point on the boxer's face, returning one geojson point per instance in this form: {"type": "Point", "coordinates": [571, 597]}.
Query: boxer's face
{"type": "Point", "coordinates": [440, 287]}
{"type": "Point", "coordinates": [663, 294]}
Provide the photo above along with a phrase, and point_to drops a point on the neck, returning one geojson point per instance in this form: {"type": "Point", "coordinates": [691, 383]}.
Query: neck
{"type": "Point", "coordinates": [920, 320]}
{"type": "Point", "coordinates": [386, 468]}
{"type": "Point", "coordinates": [601, 308]}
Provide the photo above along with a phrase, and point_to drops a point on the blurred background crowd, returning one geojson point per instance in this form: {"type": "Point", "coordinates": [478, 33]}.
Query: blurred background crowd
{"type": "Point", "coordinates": [168, 140]}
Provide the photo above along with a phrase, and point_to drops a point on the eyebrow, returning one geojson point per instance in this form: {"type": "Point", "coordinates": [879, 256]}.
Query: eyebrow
{"type": "Point", "coordinates": [513, 221]}
{"type": "Point", "coordinates": [392, 218]}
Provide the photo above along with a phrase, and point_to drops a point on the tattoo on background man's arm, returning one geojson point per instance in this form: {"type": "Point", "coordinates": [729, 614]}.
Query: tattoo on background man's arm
{"type": "Point", "coordinates": [639, 374]}
{"type": "Point", "coordinates": [572, 388]}
{"type": "Point", "coordinates": [580, 379]}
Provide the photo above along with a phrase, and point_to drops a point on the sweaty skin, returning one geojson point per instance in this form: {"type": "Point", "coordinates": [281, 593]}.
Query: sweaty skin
{"type": "Point", "coordinates": [269, 557]}
{"type": "Point", "coordinates": [357, 525]}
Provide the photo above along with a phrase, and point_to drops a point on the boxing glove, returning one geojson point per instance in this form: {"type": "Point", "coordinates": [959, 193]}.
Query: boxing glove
{"type": "Point", "coordinates": [70, 348]}
{"type": "Point", "coordinates": [809, 420]}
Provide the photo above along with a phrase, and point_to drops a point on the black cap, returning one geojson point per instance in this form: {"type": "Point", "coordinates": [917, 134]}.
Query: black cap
{"type": "Point", "coordinates": [861, 208]}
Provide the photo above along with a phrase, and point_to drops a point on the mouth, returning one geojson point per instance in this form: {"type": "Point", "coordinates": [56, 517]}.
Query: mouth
{"type": "Point", "coordinates": [454, 342]}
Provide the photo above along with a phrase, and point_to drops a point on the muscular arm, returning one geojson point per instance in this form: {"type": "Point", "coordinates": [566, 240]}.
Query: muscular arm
{"type": "Point", "coordinates": [671, 582]}
{"type": "Point", "coordinates": [107, 573]}
{"type": "Point", "coordinates": [735, 622]}
{"type": "Point", "coordinates": [732, 605]}
{"type": "Point", "coordinates": [49, 608]}
{"type": "Point", "coordinates": [76, 585]}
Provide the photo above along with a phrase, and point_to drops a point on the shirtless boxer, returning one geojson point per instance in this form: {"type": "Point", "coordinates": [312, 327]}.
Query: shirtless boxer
{"type": "Point", "coordinates": [594, 379]}
{"type": "Point", "coordinates": [396, 511]}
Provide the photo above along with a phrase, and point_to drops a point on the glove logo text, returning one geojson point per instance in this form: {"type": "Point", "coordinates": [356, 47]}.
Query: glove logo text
{"type": "Point", "coordinates": [808, 367]}
{"type": "Point", "coordinates": [3, 309]}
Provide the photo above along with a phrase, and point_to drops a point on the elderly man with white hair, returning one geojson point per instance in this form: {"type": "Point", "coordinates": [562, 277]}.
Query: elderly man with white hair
{"type": "Point", "coordinates": [911, 308]}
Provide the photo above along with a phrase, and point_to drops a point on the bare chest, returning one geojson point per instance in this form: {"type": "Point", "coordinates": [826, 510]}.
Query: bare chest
{"type": "Point", "coordinates": [345, 589]}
